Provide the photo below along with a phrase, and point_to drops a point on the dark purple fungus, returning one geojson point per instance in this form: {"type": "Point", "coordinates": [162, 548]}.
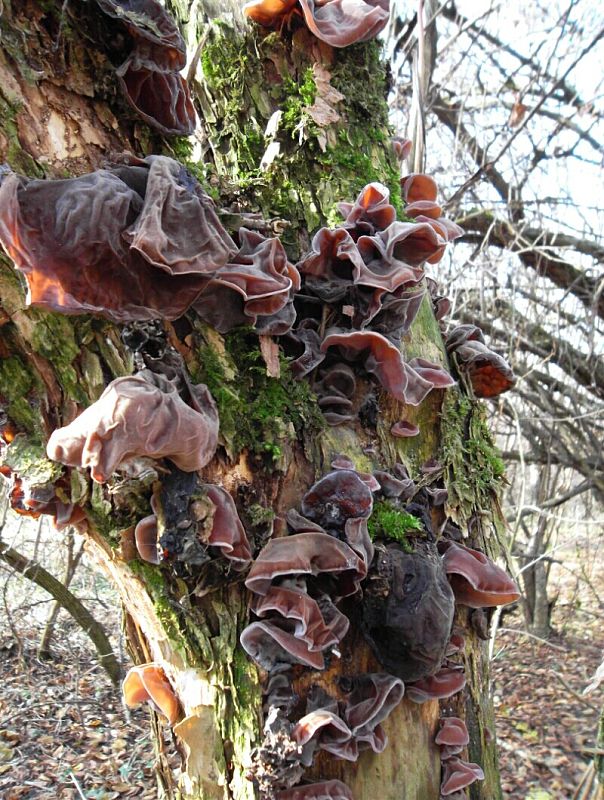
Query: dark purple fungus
{"type": "Point", "coordinates": [403, 245]}
{"type": "Point", "coordinates": [130, 243]}
{"type": "Point", "coordinates": [339, 496]}
{"type": "Point", "coordinates": [476, 581]}
{"type": "Point", "coordinates": [396, 312]}
{"type": "Point", "coordinates": [258, 282]}
{"type": "Point", "coordinates": [311, 625]}
{"type": "Point", "coordinates": [452, 737]}
{"type": "Point", "coordinates": [371, 211]}
{"type": "Point", "coordinates": [227, 533]}
{"type": "Point", "coordinates": [332, 265]}
{"type": "Point", "coordinates": [335, 388]}
{"type": "Point", "coordinates": [458, 774]}
{"type": "Point", "coordinates": [274, 643]}
{"type": "Point", "coordinates": [357, 536]}
{"type": "Point", "coordinates": [307, 554]}
{"type": "Point", "coordinates": [372, 698]}
{"type": "Point", "coordinates": [150, 77]}
{"type": "Point", "coordinates": [444, 683]}
{"type": "Point", "coordinates": [307, 337]}
{"type": "Point", "coordinates": [382, 359]}
{"type": "Point", "coordinates": [393, 487]}
{"type": "Point", "coordinates": [404, 429]}
{"type": "Point", "coordinates": [139, 415]}
{"type": "Point", "coordinates": [407, 610]}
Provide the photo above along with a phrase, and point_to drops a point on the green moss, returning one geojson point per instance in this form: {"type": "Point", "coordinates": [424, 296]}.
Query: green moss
{"type": "Point", "coordinates": [28, 459]}
{"type": "Point", "coordinates": [257, 413]}
{"type": "Point", "coordinates": [53, 336]}
{"type": "Point", "coordinates": [16, 157]}
{"type": "Point", "coordinates": [473, 466]}
{"type": "Point", "coordinates": [389, 522]}
{"type": "Point", "coordinates": [16, 383]}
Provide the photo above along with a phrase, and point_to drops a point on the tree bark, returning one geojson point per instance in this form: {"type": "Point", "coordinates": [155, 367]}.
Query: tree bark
{"type": "Point", "coordinates": [65, 117]}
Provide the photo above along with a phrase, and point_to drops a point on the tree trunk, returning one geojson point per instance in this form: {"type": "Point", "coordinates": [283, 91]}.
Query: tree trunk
{"type": "Point", "coordinates": [62, 115]}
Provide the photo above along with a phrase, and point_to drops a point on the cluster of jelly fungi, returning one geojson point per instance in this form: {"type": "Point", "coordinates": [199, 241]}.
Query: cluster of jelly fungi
{"type": "Point", "coordinates": [140, 242]}
{"type": "Point", "coordinates": [150, 76]}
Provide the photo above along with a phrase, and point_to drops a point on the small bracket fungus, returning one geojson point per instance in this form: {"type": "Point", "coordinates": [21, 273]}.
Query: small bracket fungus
{"type": "Point", "coordinates": [476, 581]}
{"type": "Point", "coordinates": [149, 77]}
{"type": "Point", "coordinates": [139, 415]}
{"type": "Point", "coordinates": [258, 282]}
{"type": "Point", "coordinates": [444, 683]}
{"type": "Point", "coordinates": [458, 774]}
{"type": "Point", "coordinates": [148, 683]}
{"type": "Point", "coordinates": [325, 790]}
{"type": "Point", "coordinates": [452, 737]}
{"type": "Point", "coordinates": [489, 374]}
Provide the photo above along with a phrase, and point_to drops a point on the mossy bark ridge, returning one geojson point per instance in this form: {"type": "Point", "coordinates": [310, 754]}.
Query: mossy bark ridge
{"type": "Point", "coordinates": [289, 128]}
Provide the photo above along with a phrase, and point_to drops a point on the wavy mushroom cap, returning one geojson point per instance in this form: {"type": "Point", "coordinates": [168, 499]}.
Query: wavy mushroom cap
{"type": "Point", "coordinates": [148, 683]}
{"type": "Point", "coordinates": [149, 77]}
{"type": "Point", "coordinates": [129, 243]}
{"type": "Point", "coordinates": [458, 774]}
{"type": "Point", "coordinates": [228, 533]}
{"type": "Point", "coordinates": [445, 683]}
{"type": "Point", "coordinates": [417, 187]}
{"type": "Point", "coordinates": [137, 417]}
{"type": "Point", "coordinates": [476, 581]}
{"type": "Point", "coordinates": [338, 22]}
{"type": "Point", "coordinates": [309, 553]}
{"type": "Point", "coordinates": [408, 382]}
{"type": "Point", "coordinates": [453, 734]}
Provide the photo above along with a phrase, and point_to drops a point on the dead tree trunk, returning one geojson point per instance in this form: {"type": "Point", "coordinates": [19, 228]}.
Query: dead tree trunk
{"type": "Point", "coordinates": [62, 115]}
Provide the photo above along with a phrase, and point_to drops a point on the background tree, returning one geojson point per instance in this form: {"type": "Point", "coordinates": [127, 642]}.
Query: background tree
{"type": "Point", "coordinates": [514, 131]}
{"type": "Point", "coordinates": [287, 128]}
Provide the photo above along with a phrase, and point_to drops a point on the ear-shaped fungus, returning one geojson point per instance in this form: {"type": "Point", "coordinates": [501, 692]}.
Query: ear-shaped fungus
{"type": "Point", "coordinates": [476, 581]}
{"type": "Point", "coordinates": [488, 372]}
{"type": "Point", "coordinates": [149, 77]}
{"type": "Point", "coordinates": [142, 414]}
{"type": "Point", "coordinates": [257, 282]}
{"type": "Point", "coordinates": [405, 243]}
{"type": "Point", "coordinates": [344, 22]}
{"type": "Point", "coordinates": [384, 360]}
{"type": "Point", "coordinates": [148, 683]}
{"type": "Point", "coordinates": [371, 211]}
{"type": "Point", "coordinates": [274, 643]}
{"type": "Point", "coordinates": [131, 243]}
{"type": "Point", "coordinates": [445, 683]}
{"type": "Point", "coordinates": [407, 611]}
{"type": "Point", "coordinates": [404, 429]}
{"type": "Point", "coordinates": [146, 539]}
{"type": "Point", "coordinates": [325, 790]}
{"type": "Point", "coordinates": [373, 697]}
{"type": "Point", "coordinates": [309, 553]}
{"type": "Point", "coordinates": [458, 774]}
{"type": "Point", "coordinates": [335, 390]}
{"type": "Point", "coordinates": [452, 737]}
{"type": "Point", "coordinates": [339, 496]}
{"type": "Point", "coordinates": [337, 22]}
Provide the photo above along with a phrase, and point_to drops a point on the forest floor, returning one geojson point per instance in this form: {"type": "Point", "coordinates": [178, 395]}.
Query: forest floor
{"type": "Point", "coordinates": [64, 734]}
